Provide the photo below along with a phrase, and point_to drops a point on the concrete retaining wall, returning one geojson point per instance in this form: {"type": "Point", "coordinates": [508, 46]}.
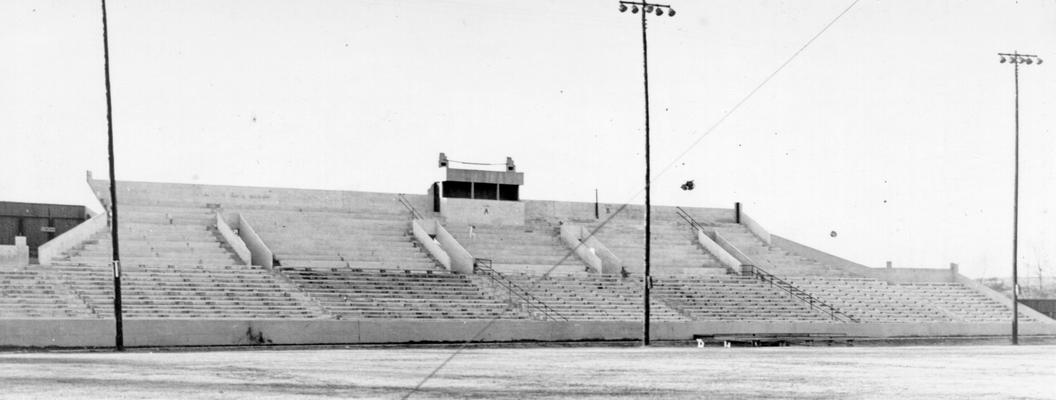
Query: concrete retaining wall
{"type": "Point", "coordinates": [716, 250]}
{"type": "Point", "coordinates": [16, 255]}
{"type": "Point", "coordinates": [176, 332]}
{"type": "Point", "coordinates": [422, 229]}
{"type": "Point", "coordinates": [461, 260]}
{"type": "Point", "coordinates": [755, 228]}
{"type": "Point", "coordinates": [71, 238]}
{"type": "Point", "coordinates": [236, 243]}
{"type": "Point", "coordinates": [260, 254]}
{"type": "Point", "coordinates": [572, 235]}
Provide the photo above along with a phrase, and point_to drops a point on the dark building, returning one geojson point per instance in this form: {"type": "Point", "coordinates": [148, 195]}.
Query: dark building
{"type": "Point", "coordinates": [1044, 306]}
{"type": "Point", "coordinates": [39, 223]}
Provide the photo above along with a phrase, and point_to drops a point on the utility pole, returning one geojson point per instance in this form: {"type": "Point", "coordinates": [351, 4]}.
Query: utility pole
{"type": "Point", "coordinates": [1016, 59]}
{"type": "Point", "coordinates": [119, 338]}
{"type": "Point", "coordinates": [646, 9]}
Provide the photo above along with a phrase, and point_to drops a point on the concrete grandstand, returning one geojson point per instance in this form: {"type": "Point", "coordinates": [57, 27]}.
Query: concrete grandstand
{"type": "Point", "coordinates": [229, 265]}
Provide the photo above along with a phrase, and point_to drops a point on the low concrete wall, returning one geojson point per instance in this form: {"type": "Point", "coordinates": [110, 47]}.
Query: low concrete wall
{"type": "Point", "coordinates": [755, 228]}
{"type": "Point", "coordinates": [461, 260]}
{"type": "Point", "coordinates": [819, 256]}
{"type": "Point", "coordinates": [720, 253]}
{"type": "Point", "coordinates": [260, 254]}
{"type": "Point", "coordinates": [189, 332]}
{"type": "Point", "coordinates": [911, 275]}
{"type": "Point", "coordinates": [233, 240]}
{"type": "Point", "coordinates": [422, 234]}
{"type": "Point", "coordinates": [71, 238]}
{"type": "Point", "coordinates": [16, 255]}
{"type": "Point", "coordinates": [610, 263]}
{"type": "Point", "coordinates": [730, 249]}
{"type": "Point", "coordinates": [572, 235]}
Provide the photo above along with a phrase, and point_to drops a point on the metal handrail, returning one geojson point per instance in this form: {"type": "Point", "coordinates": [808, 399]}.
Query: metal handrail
{"type": "Point", "coordinates": [414, 212]}
{"type": "Point", "coordinates": [484, 264]}
{"type": "Point", "coordinates": [814, 302]}
{"type": "Point", "coordinates": [688, 218]}
{"type": "Point", "coordinates": [788, 287]}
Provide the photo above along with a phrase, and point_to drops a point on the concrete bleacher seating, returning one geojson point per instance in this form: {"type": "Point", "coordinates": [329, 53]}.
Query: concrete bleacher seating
{"type": "Point", "coordinates": [534, 248]}
{"type": "Point", "coordinates": [870, 300]}
{"type": "Point", "coordinates": [34, 294]}
{"type": "Point", "coordinates": [674, 247]}
{"type": "Point", "coordinates": [733, 298]}
{"type": "Point", "coordinates": [155, 235]}
{"type": "Point", "coordinates": [352, 293]}
{"type": "Point", "coordinates": [373, 239]}
{"type": "Point", "coordinates": [773, 259]}
{"type": "Point", "coordinates": [351, 255]}
{"type": "Point", "coordinates": [962, 303]}
{"type": "Point", "coordinates": [587, 298]}
{"type": "Point", "coordinates": [186, 291]}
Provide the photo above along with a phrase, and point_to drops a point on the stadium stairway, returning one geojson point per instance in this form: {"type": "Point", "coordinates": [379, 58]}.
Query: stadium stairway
{"type": "Point", "coordinates": [364, 239]}
{"type": "Point", "coordinates": [733, 298]}
{"type": "Point", "coordinates": [674, 246]}
{"type": "Point", "coordinates": [186, 291]}
{"type": "Point", "coordinates": [354, 293]}
{"type": "Point", "coordinates": [534, 248]}
{"type": "Point", "coordinates": [33, 293]}
{"type": "Point", "coordinates": [773, 259]}
{"type": "Point", "coordinates": [157, 235]}
{"type": "Point", "coordinates": [583, 297]}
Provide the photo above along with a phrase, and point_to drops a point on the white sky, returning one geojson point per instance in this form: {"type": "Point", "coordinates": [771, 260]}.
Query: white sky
{"type": "Point", "coordinates": [893, 129]}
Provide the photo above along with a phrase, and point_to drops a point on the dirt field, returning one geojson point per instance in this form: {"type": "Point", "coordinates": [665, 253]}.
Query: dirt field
{"type": "Point", "coordinates": [933, 372]}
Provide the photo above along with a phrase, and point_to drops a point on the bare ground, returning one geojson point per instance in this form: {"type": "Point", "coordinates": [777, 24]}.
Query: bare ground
{"type": "Point", "coordinates": [926, 372]}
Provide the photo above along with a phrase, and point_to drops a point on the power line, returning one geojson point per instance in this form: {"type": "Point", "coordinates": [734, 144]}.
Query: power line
{"type": "Point", "coordinates": [624, 206]}
{"type": "Point", "coordinates": [756, 89]}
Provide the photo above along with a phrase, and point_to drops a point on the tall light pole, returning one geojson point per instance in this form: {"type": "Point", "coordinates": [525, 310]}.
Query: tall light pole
{"type": "Point", "coordinates": [1016, 59]}
{"type": "Point", "coordinates": [119, 338]}
{"type": "Point", "coordinates": [660, 9]}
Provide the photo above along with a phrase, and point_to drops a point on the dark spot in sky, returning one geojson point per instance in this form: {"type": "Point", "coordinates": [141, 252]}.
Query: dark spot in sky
{"type": "Point", "coordinates": [832, 234]}
{"type": "Point", "coordinates": [885, 201]}
{"type": "Point", "coordinates": [254, 119]}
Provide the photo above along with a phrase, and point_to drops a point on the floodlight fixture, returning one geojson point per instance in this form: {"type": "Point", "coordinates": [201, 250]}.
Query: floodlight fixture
{"type": "Point", "coordinates": [623, 7]}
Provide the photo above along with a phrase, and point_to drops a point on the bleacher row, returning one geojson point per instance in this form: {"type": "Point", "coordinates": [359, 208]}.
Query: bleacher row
{"type": "Point", "coordinates": [359, 260]}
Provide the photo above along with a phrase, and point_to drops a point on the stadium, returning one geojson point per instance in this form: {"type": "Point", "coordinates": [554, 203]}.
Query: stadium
{"type": "Point", "coordinates": [232, 199]}
{"type": "Point", "coordinates": [206, 265]}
